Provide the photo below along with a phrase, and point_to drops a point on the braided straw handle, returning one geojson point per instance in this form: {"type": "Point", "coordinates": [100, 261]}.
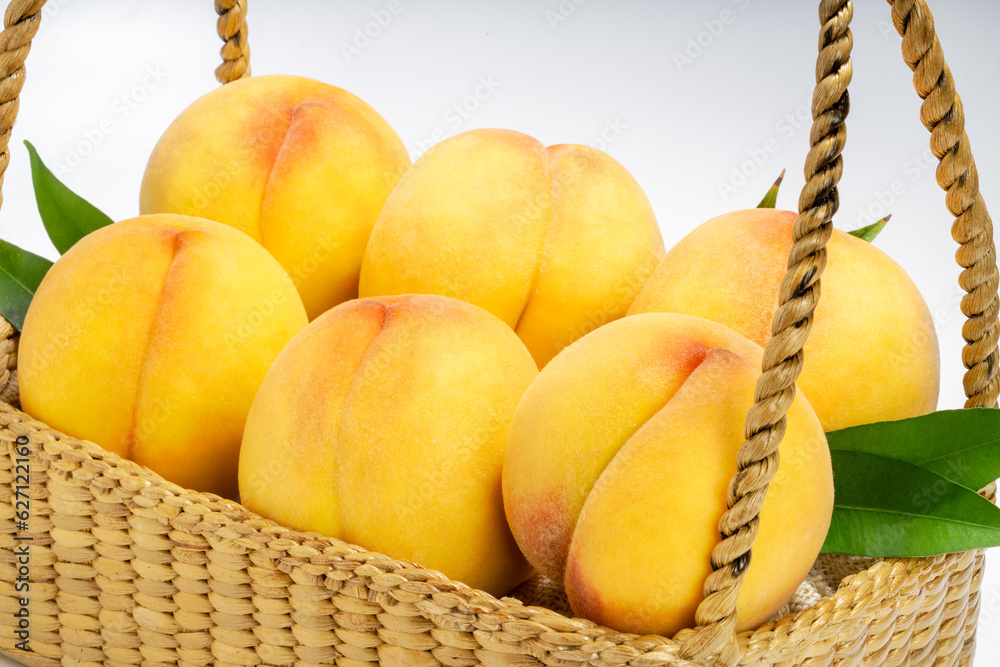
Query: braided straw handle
{"type": "Point", "coordinates": [20, 22]}
{"type": "Point", "coordinates": [232, 28]}
{"type": "Point", "coordinates": [757, 460]}
{"type": "Point", "coordinates": [943, 115]}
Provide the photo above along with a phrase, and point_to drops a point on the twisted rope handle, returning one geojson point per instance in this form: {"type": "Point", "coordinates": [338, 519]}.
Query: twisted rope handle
{"type": "Point", "coordinates": [757, 460]}
{"type": "Point", "coordinates": [942, 113]}
{"type": "Point", "coordinates": [232, 28]}
{"type": "Point", "coordinates": [20, 21]}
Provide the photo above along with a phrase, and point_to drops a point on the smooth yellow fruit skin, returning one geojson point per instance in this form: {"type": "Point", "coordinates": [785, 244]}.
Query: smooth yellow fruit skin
{"type": "Point", "coordinates": [151, 336]}
{"type": "Point", "coordinates": [384, 423]}
{"type": "Point", "coordinates": [872, 353]}
{"type": "Point", "coordinates": [618, 465]}
{"type": "Point", "coordinates": [301, 166]}
{"type": "Point", "coordinates": [554, 241]}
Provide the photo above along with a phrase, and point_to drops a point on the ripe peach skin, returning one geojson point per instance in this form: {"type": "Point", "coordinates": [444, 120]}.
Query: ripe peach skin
{"type": "Point", "coordinates": [301, 166]}
{"type": "Point", "coordinates": [384, 423]}
{"type": "Point", "coordinates": [554, 241]}
{"type": "Point", "coordinates": [872, 354]}
{"type": "Point", "coordinates": [151, 336]}
{"type": "Point", "coordinates": [618, 464]}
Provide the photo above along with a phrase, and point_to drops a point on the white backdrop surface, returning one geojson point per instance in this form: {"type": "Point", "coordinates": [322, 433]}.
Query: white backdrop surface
{"type": "Point", "coordinates": [704, 102]}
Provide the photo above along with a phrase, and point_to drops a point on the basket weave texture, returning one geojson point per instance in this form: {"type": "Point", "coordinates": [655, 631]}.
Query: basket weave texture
{"type": "Point", "coordinates": [129, 569]}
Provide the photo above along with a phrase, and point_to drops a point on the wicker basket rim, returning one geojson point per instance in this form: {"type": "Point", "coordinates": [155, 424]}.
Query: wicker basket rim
{"type": "Point", "coordinates": [395, 580]}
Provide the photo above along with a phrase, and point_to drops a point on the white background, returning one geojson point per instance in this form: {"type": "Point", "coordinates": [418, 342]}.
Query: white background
{"type": "Point", "coordinates": [105, 77]}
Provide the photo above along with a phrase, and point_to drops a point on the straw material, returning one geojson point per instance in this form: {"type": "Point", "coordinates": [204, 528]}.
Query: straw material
{"type": "Point", "coordinates": [126, 568]}
{"type": "Point", "coordinates": [757, 459]}
{"type": "Point", "coordinates": [232, 28]}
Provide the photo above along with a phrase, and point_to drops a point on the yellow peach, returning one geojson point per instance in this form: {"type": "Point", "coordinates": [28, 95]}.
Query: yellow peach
{"type": "Point", "coordinates": [554, 241]}
{"type": "Point", "coordinates": [151, 336]}
{"type": "Point", "coordinates": [872, 354]}
{"type": "Point", "coordinates": [384, 423]}
{"type": "Point", "coordinates": [301, 166]}
{"type": "Point", "coordinates": [618, 464]}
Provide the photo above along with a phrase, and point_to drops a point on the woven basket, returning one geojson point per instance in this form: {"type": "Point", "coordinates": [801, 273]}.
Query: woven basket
{"type": "Point", "coordinates": [125, 568]}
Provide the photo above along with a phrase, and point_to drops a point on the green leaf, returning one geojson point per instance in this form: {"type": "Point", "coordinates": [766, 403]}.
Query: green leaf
{"type": "Point", "coordinates": [771, 198]}
{"type": "Point", "coordinates": [889, 508]}
{"type": "Point", "coordinates": [67, 216]}
{"type": "Point", "coordinates": [20, 274]}
{"type": "Point", "coordinates": [960, 445]}
{"type": "Point", "coordinates": [871, 231]}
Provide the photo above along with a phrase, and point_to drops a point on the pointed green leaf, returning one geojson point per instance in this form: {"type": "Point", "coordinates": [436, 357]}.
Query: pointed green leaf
{"type": "Point", "coordinates": [889, 508]}
{"type": "Point", "coordinates": [67, 216]}
{"type": "Point", "coordinates": [960, 445]}
{"type": "Point", "coordinates": [871, 231]}
{"type": "Point", "coordinates": [770, 199]}
{"type": "Point", "coordinates": [20, 274]}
